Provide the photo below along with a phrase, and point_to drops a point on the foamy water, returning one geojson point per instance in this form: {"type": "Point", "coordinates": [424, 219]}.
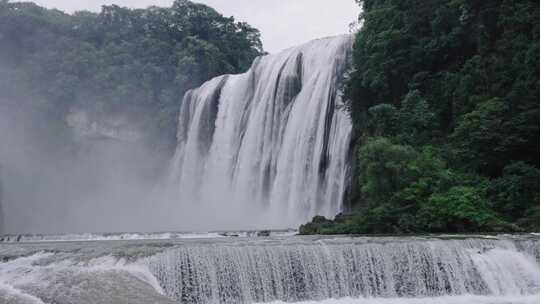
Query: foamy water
{"type": "Point", "coordinates": [44, 278]}
{"type": "Point", "coordinates": [10, 295]}
{"type": "Point", "coordinates": [440, 300]}
{"type": "Point", "coordinates": [308, 270]}
{"type": "Point", "coordinates": [81, 237]}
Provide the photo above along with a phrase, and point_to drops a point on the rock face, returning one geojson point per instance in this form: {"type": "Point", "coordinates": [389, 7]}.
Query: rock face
{"type": "Point", "coordinates": [263, 233]}
{"type": "Point", "coordinates": [118, 127]}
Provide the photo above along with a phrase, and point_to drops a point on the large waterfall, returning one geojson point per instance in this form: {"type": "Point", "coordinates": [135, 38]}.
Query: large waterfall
{"type": "Point", "coordinates": [273, 142]}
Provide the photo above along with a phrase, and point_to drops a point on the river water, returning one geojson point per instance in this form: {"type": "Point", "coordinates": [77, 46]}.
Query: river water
{"type": "Point", "coordinates": [242, 268]}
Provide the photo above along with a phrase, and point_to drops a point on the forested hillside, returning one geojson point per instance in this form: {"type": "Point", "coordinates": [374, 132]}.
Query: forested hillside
{"type": "Point", "coordinates": [137, 63]}
{"type": "Point", "coordinates": [445, 98]}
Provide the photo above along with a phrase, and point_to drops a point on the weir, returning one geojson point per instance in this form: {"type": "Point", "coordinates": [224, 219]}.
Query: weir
{"type": "Point", "coordinates": [273, 141]}
{"type": "Point", "coordinates": [347, 270]}
{"type": "Point", "coordinates": [361, 268]}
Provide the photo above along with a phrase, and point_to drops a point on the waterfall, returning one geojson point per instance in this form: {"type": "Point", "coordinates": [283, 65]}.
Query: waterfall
{"type": "Point", "coordinates": [386, 270]}
{"type": "Point", "coordinates": [273, 142]}
{"type": "Point", "coordinates": [357, 268]}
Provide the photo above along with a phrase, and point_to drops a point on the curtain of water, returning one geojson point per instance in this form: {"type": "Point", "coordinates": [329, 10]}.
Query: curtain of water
{"type": "Point", "coordinates": [273, 142]}
{"type": "Point", "coordinates": [316, 271]}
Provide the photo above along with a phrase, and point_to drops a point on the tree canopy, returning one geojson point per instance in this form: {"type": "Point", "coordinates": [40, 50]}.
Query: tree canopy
{"type": "Point", "coordinates": [138, 62]}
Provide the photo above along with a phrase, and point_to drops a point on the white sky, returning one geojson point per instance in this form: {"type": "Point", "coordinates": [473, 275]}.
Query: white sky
{"type": "Point", "coordinates": [283, 23]}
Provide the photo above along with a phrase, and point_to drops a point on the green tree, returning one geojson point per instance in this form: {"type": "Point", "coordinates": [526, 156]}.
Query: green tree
{"type": "Point", "coordinates": [515, 194]}
{"type": "Point", "coordinates": [384, 168]}
{"type": "Point", "coordinates": [416, 120]}
{"type": "Point", "coordinates": [478, 136]}
{"type": "Point", "coordinates": [383, 120]}
{"type": "Point", "coordinates": [461, 209]}
{"type": "Point", "coordinates": [134, 62]}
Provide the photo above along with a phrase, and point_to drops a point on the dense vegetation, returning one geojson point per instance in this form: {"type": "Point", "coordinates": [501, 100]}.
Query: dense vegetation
{"type": "Point", "coordinates": [135, 62]}
{"type": "Point", "coordinates": [445, 98]}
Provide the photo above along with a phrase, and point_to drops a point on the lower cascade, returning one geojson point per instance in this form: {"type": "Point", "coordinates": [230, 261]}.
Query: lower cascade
{"type": "Point", "coordinates": [235, 270]}
{"type": "Point", "coordinates": [274, 141]}
{"type": "Point", "coordinates": [370, 268]}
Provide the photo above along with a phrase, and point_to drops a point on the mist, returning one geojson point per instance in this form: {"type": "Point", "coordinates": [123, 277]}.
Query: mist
{"type": "Point", "coordinates": [89, 106]}
{"type": "Point", "coordinates": [75, 176]}
{"type": "Point", "coordinates": [54, 183]}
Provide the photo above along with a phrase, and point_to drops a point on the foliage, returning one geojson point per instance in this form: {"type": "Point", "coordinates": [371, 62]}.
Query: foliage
{"type": "Point", "coordinates": [478, 134]}
{"type": "Point", "coordinates": [445, 99]}
{"type": "Point", "coordinates": [516, 194]}
{"type": "Point", "coordinates": [416, 117]}
{"type": "Point", "coordinates": [461, 209]}
{"type": "Point", "coordinates": [317, 226]}
{"type": "Point", "coordinates": [138, 62]}
{"type": "Point", "coordinates": [385, 169]}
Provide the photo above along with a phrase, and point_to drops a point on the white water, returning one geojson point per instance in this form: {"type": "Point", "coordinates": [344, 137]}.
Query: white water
{"type": "Point", "coordinates": [10, 295]}
{"type": "Point", "coordinates": [271, 143]}
{"type": "Point", "coordinates": [496, 270]}
{"type": "Point", "coordinates": [372, 268]}
{"type": "Point", "coordinates": [86, 237]}
{"type": "Point", "coordinates": [48, 278]}
{"type": "Point", "coordinates": [439, 300]}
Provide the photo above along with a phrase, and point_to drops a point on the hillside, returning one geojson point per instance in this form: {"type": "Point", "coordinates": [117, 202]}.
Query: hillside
{"type": "Point", "coordinates": [445, 98]}
{"type": "Point", "coordinates": [124, 70]}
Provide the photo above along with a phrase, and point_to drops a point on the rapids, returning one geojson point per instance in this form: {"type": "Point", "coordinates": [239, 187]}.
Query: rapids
{"type": "Point", "coordinates": [338, 270]}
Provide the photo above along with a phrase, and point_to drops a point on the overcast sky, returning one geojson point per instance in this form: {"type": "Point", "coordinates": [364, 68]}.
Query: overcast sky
{"type": "Point", "coordinates": [283, 23]}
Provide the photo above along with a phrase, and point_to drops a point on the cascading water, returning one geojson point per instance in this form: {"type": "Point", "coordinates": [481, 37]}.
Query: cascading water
{"type": "Point", "coordinates": [273, 142]}
{"type": "Point", "coordinates": [362, 268]}
{"type": "Point", "coordinates": [356, 270]}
